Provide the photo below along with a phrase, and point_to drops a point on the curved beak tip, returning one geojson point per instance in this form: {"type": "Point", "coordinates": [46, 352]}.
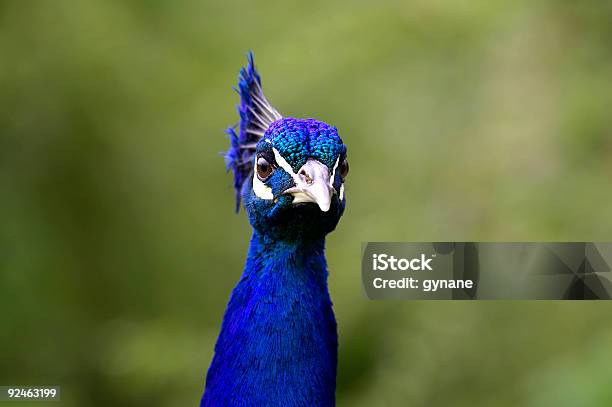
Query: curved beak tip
{"type": "Point", "coordinates": [320, 193]}
{"type": "Point", "coordinates": [324, 205]}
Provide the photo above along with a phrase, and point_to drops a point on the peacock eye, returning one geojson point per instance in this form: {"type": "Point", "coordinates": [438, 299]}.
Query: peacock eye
{"type": "Point", "coordinates": [264, 168]}
{"type": "Point", "coordinates": [344, 168]}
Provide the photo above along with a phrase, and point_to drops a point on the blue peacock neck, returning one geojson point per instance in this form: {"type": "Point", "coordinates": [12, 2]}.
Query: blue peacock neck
{"type": "Point", "coordinates": [297, 257]}
{"type": "Point", "coordinates": [278, 341]}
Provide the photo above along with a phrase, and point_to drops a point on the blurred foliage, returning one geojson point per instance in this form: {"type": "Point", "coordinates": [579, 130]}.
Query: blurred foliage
{"type": "Point", "coordinates": [482, 120]}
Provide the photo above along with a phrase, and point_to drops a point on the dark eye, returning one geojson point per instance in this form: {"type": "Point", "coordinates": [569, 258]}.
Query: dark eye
{"type": "Point", "coordinates": [344, 168]}
{"type": "Point", "coordinates": [264, 168]}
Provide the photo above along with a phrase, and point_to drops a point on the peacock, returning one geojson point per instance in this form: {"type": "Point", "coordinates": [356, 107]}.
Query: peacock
{"type": "Point", "coordinates": [278, 343]}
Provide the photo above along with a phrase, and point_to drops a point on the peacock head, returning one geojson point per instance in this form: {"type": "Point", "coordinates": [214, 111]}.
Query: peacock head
{"type": "Point", "coordinates": [297, 186]}
{"type": "Point", "coordinates": [289, 172]}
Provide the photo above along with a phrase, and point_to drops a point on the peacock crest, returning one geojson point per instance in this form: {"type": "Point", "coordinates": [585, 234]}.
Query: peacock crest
{"type": "Point", "coordinates": [256, 115]}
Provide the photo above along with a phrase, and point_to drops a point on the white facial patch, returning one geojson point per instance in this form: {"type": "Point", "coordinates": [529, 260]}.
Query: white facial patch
{"type": "Point", "coordinates": [261, 190]}
{"type": "Point", "coordinates": [342, 192]}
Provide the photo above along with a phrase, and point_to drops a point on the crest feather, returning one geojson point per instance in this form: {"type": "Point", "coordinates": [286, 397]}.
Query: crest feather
{"type": "Point", "coordinates": [256, 116]}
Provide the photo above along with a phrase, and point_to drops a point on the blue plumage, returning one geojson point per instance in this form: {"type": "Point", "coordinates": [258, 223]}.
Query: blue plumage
{"type": "Point", "coordinates": [256, 114]}
{"type": "Point", "coordinates": [278, 341]}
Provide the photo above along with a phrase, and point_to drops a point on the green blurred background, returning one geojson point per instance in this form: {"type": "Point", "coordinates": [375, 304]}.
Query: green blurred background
{"type": "Point", "coordinates": [482, 120]}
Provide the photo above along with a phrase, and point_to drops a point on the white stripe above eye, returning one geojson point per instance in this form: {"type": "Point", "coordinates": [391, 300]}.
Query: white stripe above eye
{"type": "Point", "coordinates": [333, 174]}
{"type": "Point", "coordinates": [284, 164]}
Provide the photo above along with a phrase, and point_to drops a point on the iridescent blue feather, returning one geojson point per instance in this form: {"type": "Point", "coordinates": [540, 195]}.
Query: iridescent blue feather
{"type": "Point", "coordinates": [256, 115]}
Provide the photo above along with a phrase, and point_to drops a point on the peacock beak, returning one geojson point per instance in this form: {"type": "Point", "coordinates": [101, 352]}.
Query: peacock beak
{"type": "Point", "coordinates": [312, 185]}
